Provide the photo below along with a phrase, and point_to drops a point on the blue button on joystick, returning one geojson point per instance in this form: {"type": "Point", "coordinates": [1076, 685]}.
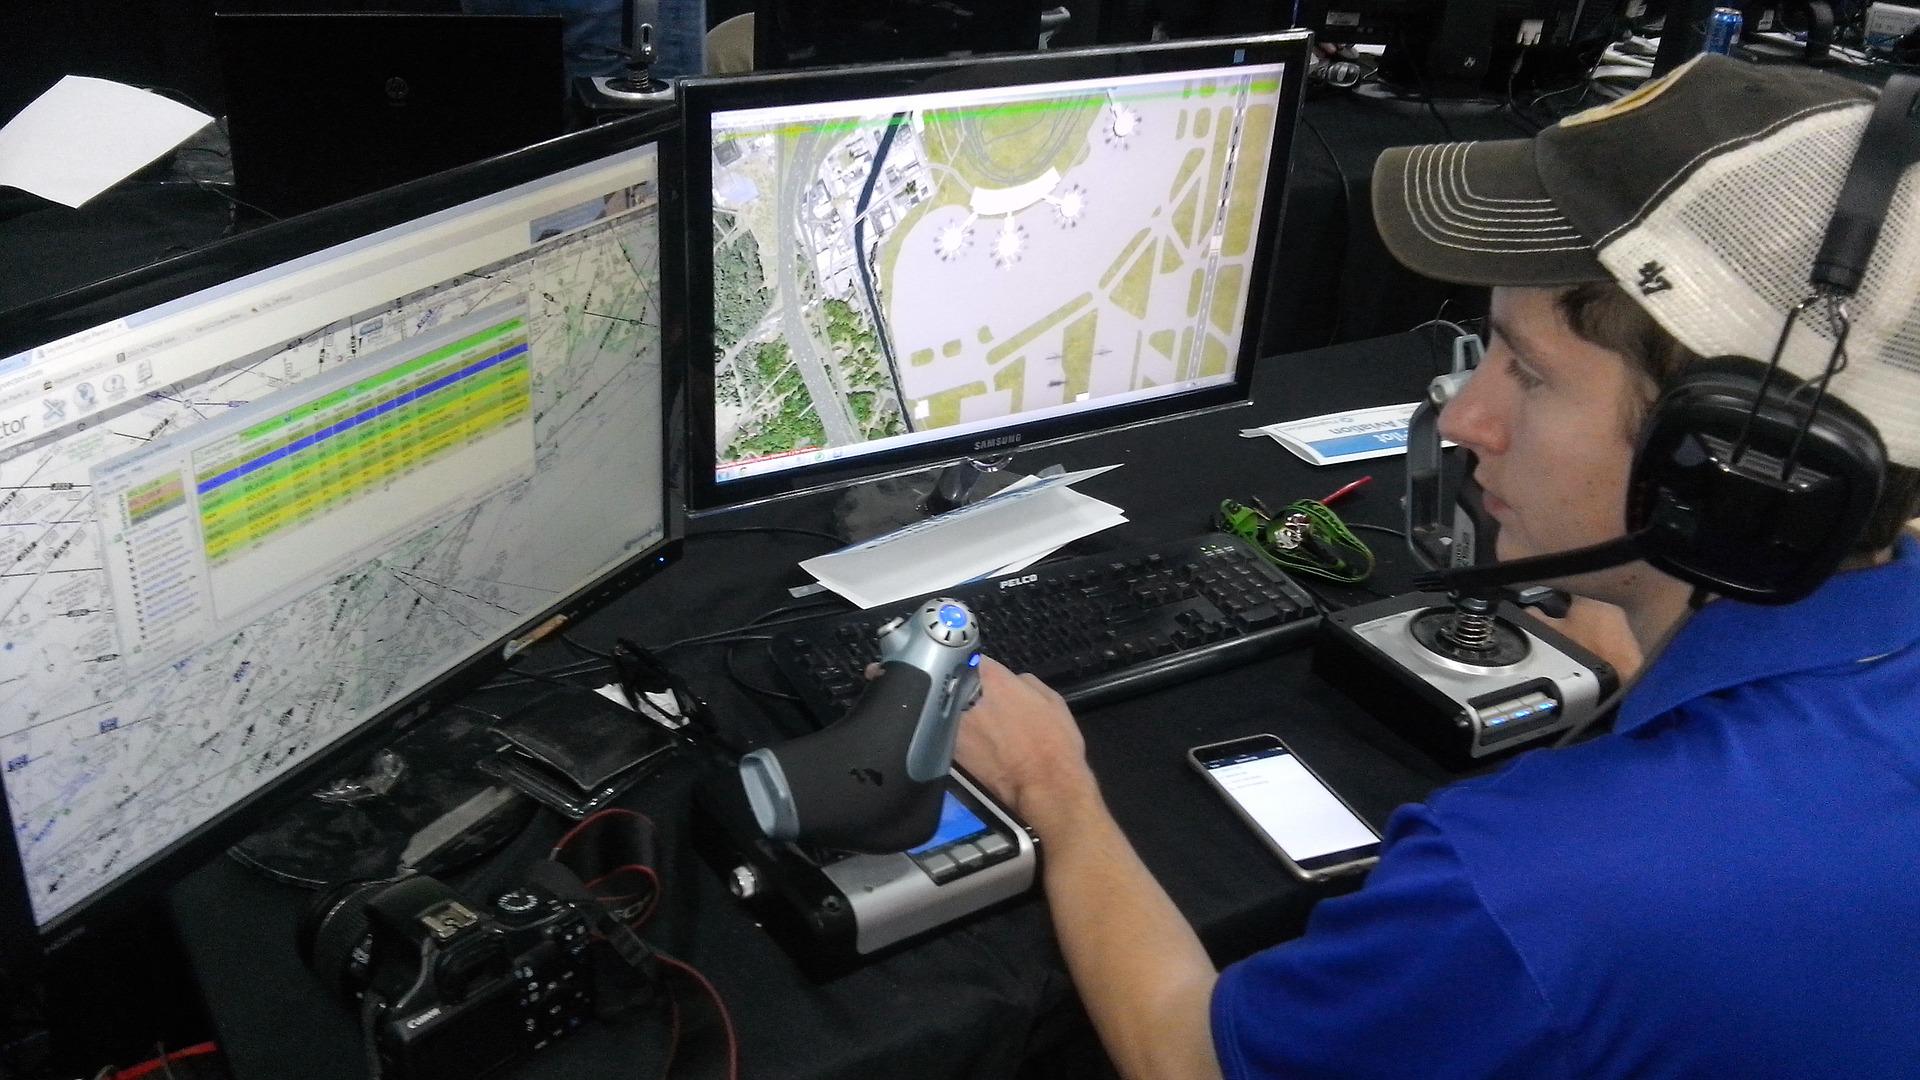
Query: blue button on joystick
{"type": "Point", "coordinates": [953, 616]}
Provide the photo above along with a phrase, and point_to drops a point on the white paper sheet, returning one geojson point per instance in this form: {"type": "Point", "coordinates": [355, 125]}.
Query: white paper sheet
{"type": "Point", "coordinates": [1015, 525]}
{"type": "Point", "coordinates": [86, 135]}
{"type": "Point", "coordinates": [1337, 438]}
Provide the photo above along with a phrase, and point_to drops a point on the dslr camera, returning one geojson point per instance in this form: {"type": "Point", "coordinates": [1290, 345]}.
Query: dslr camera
{"type": "Point", "coordinates": [448, 989]}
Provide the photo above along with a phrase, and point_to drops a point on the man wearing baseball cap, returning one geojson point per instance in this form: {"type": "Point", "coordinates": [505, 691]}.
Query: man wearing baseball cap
{"type": "Point", "coordinates": [1726, 884]}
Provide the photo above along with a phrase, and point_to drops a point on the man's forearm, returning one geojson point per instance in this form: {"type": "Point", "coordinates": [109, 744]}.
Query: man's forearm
{"type": "Point", "coordinates": [1140, 969]}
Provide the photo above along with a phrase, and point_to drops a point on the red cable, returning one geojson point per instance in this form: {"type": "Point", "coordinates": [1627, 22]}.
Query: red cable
{"type": "Point", "coordinates": [726, 1020]}
{"type": "Point", "coordinates": [1345, 491]}
{"type": "Point", "coordinates": [653, 897]}
{"type": "Point", "coordinates": [145, 1067]}
{"type": "Point", "coordinates": [673, 1036]}
{"type": "Point", "coordinates": [590, 819]}
{"type": "Point", "coordinates": [653, 876]}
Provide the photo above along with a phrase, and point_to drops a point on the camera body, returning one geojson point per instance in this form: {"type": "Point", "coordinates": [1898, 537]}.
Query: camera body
{"type": "Point", "coordinates": [448, 989]}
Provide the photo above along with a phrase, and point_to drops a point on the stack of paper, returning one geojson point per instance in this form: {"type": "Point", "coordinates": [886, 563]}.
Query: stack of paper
{"type": "Point", "coordinates": [1001, 533]}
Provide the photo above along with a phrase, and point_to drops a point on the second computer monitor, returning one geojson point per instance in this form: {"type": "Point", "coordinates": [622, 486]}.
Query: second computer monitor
{"type": "Point", "coordinates": [914, 263]}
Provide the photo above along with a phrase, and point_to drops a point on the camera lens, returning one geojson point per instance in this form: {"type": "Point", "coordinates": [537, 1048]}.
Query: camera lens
{"type": "Point", "coordinates": [332, 928]}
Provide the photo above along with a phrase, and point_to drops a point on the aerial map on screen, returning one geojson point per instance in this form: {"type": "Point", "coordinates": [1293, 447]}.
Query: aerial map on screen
{"type": "Point", "coordinates": [889, 267]}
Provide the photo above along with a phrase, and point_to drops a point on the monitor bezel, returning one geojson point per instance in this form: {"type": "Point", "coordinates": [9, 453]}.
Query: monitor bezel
{"type": "Point", "coordinates": [701, 98]}
{"type": "Point", "coordinates": [91, 305]}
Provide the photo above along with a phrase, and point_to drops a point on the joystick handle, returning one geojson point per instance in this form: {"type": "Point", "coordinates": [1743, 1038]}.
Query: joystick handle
{"type": "Point", "coordinates": [874, 781]}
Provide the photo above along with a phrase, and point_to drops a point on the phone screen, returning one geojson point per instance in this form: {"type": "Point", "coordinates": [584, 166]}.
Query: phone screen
{"type": "Point", "coordinates": [1290, 804]}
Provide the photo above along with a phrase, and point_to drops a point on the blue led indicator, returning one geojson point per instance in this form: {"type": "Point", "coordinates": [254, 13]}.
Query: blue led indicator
{"type": "Point", "coordinates": [974, 660]}
{"type": "Point", "coordinates": [953, 616]}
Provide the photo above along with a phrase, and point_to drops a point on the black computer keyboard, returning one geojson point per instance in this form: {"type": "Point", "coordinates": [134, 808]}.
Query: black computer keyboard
{"type": "Point", "coordinates": [1094, 628]}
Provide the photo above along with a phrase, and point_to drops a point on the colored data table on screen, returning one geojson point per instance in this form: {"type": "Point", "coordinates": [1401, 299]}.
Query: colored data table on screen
{"type": "Point", "coordinates": [315, 458]}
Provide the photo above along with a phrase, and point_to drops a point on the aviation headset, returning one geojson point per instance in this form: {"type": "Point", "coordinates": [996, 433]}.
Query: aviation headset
{"type": "Point", "coordinates": [1743, 486]}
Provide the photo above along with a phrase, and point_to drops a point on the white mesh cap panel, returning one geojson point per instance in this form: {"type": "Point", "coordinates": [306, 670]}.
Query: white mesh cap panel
{"type": "Point", "coordinates": [1734, 245]}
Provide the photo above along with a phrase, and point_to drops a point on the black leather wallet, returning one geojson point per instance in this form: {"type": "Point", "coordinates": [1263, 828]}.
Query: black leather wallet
{"type": "Point", "coordinates": [576, 751]}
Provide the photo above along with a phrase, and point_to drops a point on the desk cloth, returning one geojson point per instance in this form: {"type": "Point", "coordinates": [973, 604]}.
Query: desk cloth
{"type": "Point", "coordinates": [987, 999]}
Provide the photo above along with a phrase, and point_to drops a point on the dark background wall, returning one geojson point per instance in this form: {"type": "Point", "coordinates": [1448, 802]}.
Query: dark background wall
{"type": "Point", "coordinates": [160, 43]}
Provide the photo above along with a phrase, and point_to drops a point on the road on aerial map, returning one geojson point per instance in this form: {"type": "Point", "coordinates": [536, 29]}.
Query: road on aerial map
{"type": "Point", "coordinates": [1215, 235]}
{"type": "Point", "coordinates": [807, 351]}
{"type": "Point", "coordinates": [866, 271]}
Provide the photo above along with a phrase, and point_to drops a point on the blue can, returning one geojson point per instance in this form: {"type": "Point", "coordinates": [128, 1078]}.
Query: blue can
{"type": "Point", "coordinates": [1723, 30]}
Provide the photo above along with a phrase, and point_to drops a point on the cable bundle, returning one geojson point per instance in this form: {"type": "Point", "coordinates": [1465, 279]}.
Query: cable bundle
{"type": "Point", "coordinates": [1305, 538]}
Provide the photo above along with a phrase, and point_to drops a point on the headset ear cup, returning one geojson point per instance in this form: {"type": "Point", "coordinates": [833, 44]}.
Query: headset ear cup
{"type": "Point", "coordinates": [1734, 525]}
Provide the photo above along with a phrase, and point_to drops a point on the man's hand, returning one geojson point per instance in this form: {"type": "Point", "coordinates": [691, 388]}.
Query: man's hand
{"type": "Point", "coordinates": [1021, 741]}
{"type": "Point", "coordinates": [1141, 972]}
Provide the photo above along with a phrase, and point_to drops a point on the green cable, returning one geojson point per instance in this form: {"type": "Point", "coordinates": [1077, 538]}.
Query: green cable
{"type": "Point", "coordinates": [1306, 537]}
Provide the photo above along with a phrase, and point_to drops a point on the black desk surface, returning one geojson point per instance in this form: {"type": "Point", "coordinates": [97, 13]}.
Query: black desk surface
{"type": "Point", "coordinates": [980, 999]}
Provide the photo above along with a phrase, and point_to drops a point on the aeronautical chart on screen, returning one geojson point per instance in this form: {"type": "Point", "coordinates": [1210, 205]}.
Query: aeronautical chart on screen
{"type": "Point", "coordinates": [214, 577]}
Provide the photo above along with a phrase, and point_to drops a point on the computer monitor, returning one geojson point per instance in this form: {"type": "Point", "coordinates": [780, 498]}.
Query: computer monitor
{"type": "Point", "coordinates": [897, 266]}
{"type": "Point", "coordinates": [1467, 48]}
{"type": "Point", "coordinates": [264, 503]}
{"type": "Point", "coordinates": [1162, 20]}
{"type": "Point", "coordinates": [323, 107]}
{"type": "Point", "coordinates": [818, 33]}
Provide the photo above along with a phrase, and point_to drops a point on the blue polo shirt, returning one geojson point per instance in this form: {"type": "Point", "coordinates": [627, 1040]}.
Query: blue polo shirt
{"type": "Point", "coordinates": [1728, 885]}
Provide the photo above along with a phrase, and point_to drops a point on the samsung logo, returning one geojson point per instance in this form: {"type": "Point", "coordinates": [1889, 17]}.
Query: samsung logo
{"type": "Point", "coordinates": [1016, 582]}
{"type": "Point", "coordinates": [1002, 440]}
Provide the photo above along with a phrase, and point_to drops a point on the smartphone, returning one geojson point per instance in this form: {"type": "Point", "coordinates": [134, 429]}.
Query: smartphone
{"type": "Point", "coordinates": [1315, 833]}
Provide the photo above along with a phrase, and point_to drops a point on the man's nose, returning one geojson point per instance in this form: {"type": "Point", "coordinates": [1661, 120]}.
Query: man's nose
{"type": "Point", "coordinates": [1472, 418]}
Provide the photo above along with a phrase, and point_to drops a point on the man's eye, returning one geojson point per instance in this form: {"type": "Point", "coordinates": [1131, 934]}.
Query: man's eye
{"type": "Point", "coordinates": [1527, 379]}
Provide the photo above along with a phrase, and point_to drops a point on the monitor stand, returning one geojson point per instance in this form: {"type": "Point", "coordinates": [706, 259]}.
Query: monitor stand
{"type": "Point", "coordinates": [359, 826]}
{"type": "Point", "coordinates": [878, 507]}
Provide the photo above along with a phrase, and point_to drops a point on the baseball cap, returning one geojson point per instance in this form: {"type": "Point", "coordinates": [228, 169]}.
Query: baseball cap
{"type": "Point", "coordinates": [1705, 195]}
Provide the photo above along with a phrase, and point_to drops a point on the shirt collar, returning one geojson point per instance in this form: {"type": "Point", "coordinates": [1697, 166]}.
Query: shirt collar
{"type": "Point", "coordinates": [1855, 615]}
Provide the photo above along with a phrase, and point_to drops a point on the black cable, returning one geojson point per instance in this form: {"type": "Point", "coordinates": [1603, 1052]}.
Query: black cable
{"type": "Point", "coordinates": [178, 95]}
{"type": "Point", "coordinates": [213, 186]}
{"type": "Point", "coordinates": [1346, 203]}
{"type": "Point", "coordinates": [766, 619]}
{"type": "Point", "coordinates": [821, 533]}
{"type": "Point", "coordinates": [1321, 605]}
{"type": "Point", "coordinates": [733, 672]}
{"type": "Point", "coordinates": [541, 676]}
{"type": "Point", "coordinates": [1401, 533]}
{"type": "Point", "coordinates": [518, 677]}
{"type": "Point", "coordinates": [1418, 67]}
{"type": "Point", "coordinates": [584, 650]}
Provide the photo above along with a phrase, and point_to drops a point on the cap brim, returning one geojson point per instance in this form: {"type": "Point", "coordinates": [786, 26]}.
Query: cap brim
{"type": "Point", "coordinates": [1477, 214]}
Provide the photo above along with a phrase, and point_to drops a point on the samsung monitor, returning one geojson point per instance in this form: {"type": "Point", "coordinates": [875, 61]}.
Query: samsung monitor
{"type": "Point", "coordinates": [898, 266]}
{"type": "Point", "coordinates": [264, 503]}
